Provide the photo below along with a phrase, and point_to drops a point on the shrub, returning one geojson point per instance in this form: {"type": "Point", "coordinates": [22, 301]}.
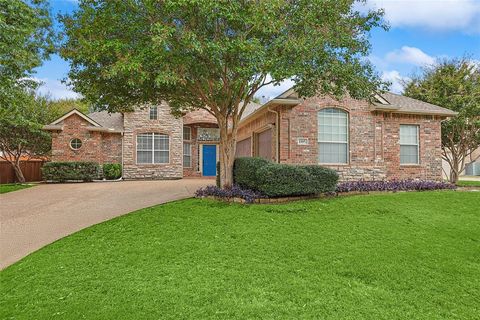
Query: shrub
{"type": "Point", "coordinates": [234, 192]}
{"type": "Point", "coordinates": [280, 180]}
{"type": "Point", "coordinates": [323, 180]}
{"type": "Point", "coordinates": [112, 171]}
{"type": "Point", "coordinates": [63, 171]}
{"type": "Point", "coordinates": [245, 171]}
{"type": "Point", "coordinates": [393, 185]}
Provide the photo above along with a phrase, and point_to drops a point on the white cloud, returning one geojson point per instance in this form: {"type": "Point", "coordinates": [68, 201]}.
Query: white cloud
{"type": "Point", "coordinates": [55, 89]}
{"type": "Point", "coordinates": [410, 55]}
{"type": "Point", "coordinates": [396, 79]}
{"type": "Point", "coordinates": [441, 15]}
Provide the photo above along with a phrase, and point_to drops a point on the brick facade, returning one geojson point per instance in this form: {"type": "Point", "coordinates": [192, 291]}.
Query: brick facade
{"type": "Point", "coordinates": [96, 146]}
{"type": "Point", "coordinates": [374, 149]}
{"type": "Point", "coordinates": [138, 122]}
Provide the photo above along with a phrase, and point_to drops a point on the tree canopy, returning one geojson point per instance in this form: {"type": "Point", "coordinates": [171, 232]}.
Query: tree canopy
{"type": "Point", "coordinates": [26, 39]}
{"type": "Point", "coordinates": [453, 84]}
{"type": "Point", "coordinates": [216, 54]}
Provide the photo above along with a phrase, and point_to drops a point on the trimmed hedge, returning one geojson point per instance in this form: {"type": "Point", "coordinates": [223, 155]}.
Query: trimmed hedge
{"type": "Point", "coordinates": [280, 180]}
{"type": "Point", "coordinates": [245, 171]}
{"type": "Point", "coordinates": [63, 171]}
{"type": "Point", "coordinates": [112, 171]}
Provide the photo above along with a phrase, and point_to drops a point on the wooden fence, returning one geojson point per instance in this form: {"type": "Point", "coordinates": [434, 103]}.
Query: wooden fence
{"type": "Point", "coordinates": [31, 171]}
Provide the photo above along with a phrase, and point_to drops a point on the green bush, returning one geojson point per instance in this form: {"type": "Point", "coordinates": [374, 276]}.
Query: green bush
{"type": "Point", "coordinates": [63, 171]}
{"type": "Point", "coordinates": [281, 180]}
{"type": "Point", "coordinates": [322, 179]}
{"type": "Point", "coordinates": [112, 171]}
{"type": "Point", "coordinates": [245, 171]}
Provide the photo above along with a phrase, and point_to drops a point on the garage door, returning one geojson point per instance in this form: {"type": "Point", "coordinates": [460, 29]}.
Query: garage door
{"type": "Point", "coordinates": [244, 148]}
{"type": "Point", "coordinates": [264, 145]}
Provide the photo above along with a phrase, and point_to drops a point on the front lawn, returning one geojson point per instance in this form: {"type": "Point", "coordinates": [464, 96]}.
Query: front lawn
{"type": "Point", "coordinates": [409, 255]}
{"type": "Point", "coordinates": [466, 183]}
{"type": "Point", "coordinates": [4, 188]}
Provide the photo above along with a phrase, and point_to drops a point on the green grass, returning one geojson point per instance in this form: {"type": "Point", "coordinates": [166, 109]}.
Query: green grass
{"type": "Point", "coordinates": [465, 183]}
{"type": "Point", "coordinates": [391, 256]}
{"type": "Point", "coordinates": [4, 188]}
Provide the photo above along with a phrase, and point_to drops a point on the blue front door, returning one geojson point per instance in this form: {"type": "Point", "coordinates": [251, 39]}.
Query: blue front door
{"type": "Point", "coordinates": [209, 165]}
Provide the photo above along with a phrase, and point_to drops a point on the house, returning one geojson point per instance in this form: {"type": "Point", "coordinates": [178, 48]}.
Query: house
{"type": "Point", "coordinates": [391, 137]}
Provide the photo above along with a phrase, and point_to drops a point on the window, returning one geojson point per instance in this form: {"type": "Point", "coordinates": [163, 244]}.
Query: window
{"type": "Point", "coordinates": [153, 148]}
{"type": "Point", "coordinates": [408, 144]}
{"type": "Point", "coordinates": [332, 136]}
{"type": "Point", "coordinates": [187, 133]}
{"type": "Point", "coordinates": [187, 155]}
{"type": "Point", "coordinates": [75, 144]}
{"type": "Point", "coordinates": [153, 113]}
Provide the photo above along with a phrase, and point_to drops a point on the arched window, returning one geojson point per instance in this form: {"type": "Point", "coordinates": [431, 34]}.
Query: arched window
{"type": "Point", "coordinates": [153, 148]}
{"type": "Point", "coordinates": [332, 136]}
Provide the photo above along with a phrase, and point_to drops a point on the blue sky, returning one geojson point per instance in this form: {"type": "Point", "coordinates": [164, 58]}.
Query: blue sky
{"type": "Point", "coordinates": [421, 32]}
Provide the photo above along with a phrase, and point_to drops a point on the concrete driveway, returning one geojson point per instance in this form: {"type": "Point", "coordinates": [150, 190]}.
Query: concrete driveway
{"type": "Point", "coordinates": [34, 217]}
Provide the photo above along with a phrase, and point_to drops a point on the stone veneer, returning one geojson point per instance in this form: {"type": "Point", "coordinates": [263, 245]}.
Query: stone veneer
{"type": "Point", "coordinates": [96, 146]}
{"type": "Point", "coordinates": [374, 149]}
{"type": "Point", "coordinates": [139, 122]}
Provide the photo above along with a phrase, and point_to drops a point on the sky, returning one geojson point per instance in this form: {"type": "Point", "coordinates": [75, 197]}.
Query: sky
{"type": "Point", "coordinates": [421, 32]}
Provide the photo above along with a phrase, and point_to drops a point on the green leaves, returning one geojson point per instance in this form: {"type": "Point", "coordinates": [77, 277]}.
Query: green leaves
{"type": "Point", "coordinates": [26, 38]}
{"type": "Point", "coordinates": [206, 53]}
{"type": "Point", "coordinates": [453, 84]}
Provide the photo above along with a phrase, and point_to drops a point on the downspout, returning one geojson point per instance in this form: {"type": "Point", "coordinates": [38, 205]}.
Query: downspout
{"type": "Point", "coordinates": [277, 129]}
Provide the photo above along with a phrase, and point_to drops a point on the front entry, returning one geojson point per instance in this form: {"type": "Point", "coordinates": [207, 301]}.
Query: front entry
{"type": "Point", "coordinates": [209, 160]}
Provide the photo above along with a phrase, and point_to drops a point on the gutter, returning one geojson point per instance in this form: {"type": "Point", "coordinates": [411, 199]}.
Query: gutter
{"type": "Point", "coordinates": [287, 102]}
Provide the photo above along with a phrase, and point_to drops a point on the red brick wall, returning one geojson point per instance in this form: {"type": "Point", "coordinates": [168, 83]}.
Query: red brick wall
{"type": "Point", "coordinates": [96, 146]}
{"type": "Point", "coordinates": [374, 150]}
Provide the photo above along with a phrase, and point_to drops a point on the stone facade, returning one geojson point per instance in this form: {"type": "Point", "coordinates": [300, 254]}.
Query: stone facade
{"type": "Point", "coordinates": [374, 149]}
{"type": "Point", "coordinates": [96, 146]}
{"type": "Point", "coordinates": [139, 122]}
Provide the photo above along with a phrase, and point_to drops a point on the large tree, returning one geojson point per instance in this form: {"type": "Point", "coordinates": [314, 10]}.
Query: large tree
{"type": "Point", "coordinates": [453, 84]}
{"type": "Point", "coordinates": [216, 54]}
{"type": "Point", "coordinates": [26, 38]}
{"type": "Point", "coordinates": [21, 134]}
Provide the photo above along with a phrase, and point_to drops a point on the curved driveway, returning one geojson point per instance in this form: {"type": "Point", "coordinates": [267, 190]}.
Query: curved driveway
{"type": "Point", "coordinates": [34, 217]}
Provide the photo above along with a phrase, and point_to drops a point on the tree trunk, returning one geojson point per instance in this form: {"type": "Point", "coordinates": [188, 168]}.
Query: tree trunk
{"type": "Point", "coordinates": [227, 154]}
{"type": "Point", "coordinates": [454, 171]}
{"type": "Point", "coordinates": [18, 172]}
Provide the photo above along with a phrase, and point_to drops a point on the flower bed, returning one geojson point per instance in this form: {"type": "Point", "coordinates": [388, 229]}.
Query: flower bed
{"type": "Point", "coordinates": [393, 185]}
{"type": "Point", "coordinates": [230, 194]}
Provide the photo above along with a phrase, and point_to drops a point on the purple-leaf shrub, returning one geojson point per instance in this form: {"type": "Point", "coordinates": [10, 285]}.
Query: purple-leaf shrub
{"type": "Point", "coordinates": [393, 185]}
{"type": "Point", "coordinates": [234, 192]}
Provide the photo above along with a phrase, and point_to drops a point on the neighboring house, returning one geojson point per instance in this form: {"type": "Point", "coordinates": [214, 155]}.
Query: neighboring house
{"type": "Point", "coordinates": [394, 137]}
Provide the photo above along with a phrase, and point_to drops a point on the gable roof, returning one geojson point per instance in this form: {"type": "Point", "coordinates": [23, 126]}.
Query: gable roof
{"type": "Point", "coordinates": [396, 103]}
{"type": "Point", "coordinates": [108, 120]}
{"type": "Point", "coordinates": [387, 101]}
{"type": "Point", "coordinates": [78, 113]}
{"type": "Point", "coordinates": [99, 121]}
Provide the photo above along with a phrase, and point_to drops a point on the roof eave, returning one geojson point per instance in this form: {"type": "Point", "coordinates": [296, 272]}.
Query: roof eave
{"type": "Point", "coordinates": [417, 112]}
{"type": "Point", "coordinates": [271, 103]}
{"type": "Point", "coordinates": [103, 129]}
{"type": "Point", "coordinates": [50, 127]}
